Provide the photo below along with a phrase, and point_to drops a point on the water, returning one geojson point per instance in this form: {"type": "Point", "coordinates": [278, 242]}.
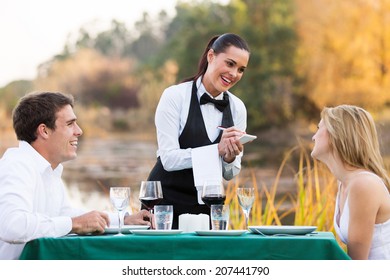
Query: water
{"type": "Point", "coordinates": [220, 224]}
{"type": "Point", "coordinates": [163, 220]}
{"type": "Point", "coordinates": [246, 202]}
{"type": "Point", "coordinates": [102, 163]}
{"type": "Point", "coordinates": [219, 217]}
{"type": "Point", "coordinates": [120, 203]}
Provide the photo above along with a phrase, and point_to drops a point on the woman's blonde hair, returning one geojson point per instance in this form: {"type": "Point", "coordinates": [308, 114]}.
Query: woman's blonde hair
{"type": "Point", "coordinates": [353, 135]}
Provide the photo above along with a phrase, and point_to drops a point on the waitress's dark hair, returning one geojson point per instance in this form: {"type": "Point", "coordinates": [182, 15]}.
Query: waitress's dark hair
{"type": "Point", "coordinates": [219, 44]}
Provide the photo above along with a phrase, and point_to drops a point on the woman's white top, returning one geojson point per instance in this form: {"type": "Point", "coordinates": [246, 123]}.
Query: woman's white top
{"type": "Point", "coordinates": [380, 246]}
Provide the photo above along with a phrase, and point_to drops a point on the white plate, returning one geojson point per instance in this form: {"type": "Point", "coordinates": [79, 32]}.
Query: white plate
{"type": "Point", "coordinates": [220, 232]}
{"type": "Point", "coordinates": [270, 230]}
{"type": "Point", "coordinates": [125, 228]}
{"type": "Point", "coordinates": [156, 232]}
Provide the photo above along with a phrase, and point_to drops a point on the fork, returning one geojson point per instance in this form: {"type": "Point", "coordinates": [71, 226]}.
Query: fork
{"type": "Point", "coordinates": [286, 234]}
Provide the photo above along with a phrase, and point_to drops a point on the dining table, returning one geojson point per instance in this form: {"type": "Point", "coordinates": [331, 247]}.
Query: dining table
{"type": "Point", "coordinates": [186, 246]}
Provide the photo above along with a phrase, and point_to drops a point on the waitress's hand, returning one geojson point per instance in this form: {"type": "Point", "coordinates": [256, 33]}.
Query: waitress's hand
{"type": "Point", "coordinates": [229, 147]}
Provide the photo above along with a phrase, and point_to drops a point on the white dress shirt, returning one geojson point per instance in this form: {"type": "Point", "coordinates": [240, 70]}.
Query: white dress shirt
{"type": "Point", "coordinates": [171, 117]}
{"type": "Point", "coordinates": [33, 200]}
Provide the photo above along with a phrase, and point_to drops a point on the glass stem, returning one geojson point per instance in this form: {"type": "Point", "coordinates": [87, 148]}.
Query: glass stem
{"type": "Point", "coordinates": [120, 216]}
{"type": "Point", "coordinates": [246, 214]}
{"type": "Point", "coordinates": [150, 220]}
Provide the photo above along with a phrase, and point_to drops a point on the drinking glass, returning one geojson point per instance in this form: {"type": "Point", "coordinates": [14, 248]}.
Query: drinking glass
{"type": "Point", "coordinates": [219, 216]}
{"type": "Point", "coordinates": [163, 215]}
{"type": "Point", "coordinates": [150, 194]}
{"type": "Point", "coordinates": [246, 197]}
{"type": "Point", "coordinates": [213, 193]}
{"type": "Point", "coordinates": [120, 198]}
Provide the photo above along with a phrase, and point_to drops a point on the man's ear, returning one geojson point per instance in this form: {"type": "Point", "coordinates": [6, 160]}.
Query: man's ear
{"type": "Point", "coordinates": [43, 131]}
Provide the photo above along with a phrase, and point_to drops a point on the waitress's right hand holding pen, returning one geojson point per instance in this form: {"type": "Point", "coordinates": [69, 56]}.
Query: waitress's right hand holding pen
{"type": "Point", "coordinates": [229, 147]}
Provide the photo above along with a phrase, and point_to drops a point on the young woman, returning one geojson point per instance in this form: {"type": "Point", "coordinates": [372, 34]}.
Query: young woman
{"type": "Point", "coordinates": [187, 118]}
{"type": "Point", "coordinates": [347, 142]}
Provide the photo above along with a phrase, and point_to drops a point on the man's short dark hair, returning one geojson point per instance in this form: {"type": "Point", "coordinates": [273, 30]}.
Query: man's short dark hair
{"type": "Point", "coordinates": [38, 108]}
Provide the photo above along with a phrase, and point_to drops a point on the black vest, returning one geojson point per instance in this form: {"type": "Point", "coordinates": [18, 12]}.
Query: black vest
{"type": "Point", "coordinates": [178, 186]}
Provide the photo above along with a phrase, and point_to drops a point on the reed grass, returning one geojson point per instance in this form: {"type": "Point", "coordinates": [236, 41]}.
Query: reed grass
{"type": "Point", "coordinates": [311, 202]}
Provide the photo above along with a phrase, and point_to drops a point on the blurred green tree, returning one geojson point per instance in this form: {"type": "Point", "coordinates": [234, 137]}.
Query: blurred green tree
{"type": "Point", "coordinates": [267, 87]}
{"type": "Point", "coordinates": [304, 55]}
{"type": "Point", "coordinates": [10, 94]}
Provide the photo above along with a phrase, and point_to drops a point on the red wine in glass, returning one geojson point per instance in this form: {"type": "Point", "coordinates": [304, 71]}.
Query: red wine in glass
{"type": "Point", "coordinates": [150, 194]}
{"type": "Point", "coordinates": [213, 192]}
{"type": "Point", "coordinates": [213, 199]}
{"type": "Point", "coordinates": [149, 202]}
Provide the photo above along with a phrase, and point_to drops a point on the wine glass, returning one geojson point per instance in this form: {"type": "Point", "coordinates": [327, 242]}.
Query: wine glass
{"type": "Point", "coordinates": [120, 198]}
{"type": "Point", "coordinates": [150, 194]}
{"type": "Point", "coordinates": [246, 197]}
{"type": "Point", "coordinates": [213, 192]}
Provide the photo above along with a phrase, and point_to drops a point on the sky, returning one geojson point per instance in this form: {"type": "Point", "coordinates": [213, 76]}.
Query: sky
{"type": "Point", "coordinates": [33, 31]}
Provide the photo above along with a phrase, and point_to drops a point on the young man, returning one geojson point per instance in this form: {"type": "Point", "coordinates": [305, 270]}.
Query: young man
{"type": "Point", "coordinates": [33, 201]}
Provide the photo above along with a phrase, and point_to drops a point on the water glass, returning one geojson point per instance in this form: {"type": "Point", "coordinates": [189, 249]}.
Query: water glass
{"type": "Point", "coordinates": [246, 197]}
{"type": "Point", "coordinates": [120, 197]}
{"type": "Point", "coordinates": [219, 216]}
{"type": "Point", "coordinates": [163, 215]}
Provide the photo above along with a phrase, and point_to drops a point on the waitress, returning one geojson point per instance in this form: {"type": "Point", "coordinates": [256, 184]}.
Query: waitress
{"type": "Point", "coordinates": [187, 118]}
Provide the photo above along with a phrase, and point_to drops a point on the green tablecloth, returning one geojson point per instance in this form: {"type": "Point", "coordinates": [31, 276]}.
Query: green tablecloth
{"type": "Point", "coordinates": [188, 246]}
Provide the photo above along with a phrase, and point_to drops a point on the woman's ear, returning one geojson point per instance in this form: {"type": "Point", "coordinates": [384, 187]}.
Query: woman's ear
{"type": "Point", "coordinates": [210, 55]}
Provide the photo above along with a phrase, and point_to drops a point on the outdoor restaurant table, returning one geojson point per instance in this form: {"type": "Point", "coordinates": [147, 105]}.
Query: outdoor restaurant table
{"type": "Point", "coordinates": [186, 246]}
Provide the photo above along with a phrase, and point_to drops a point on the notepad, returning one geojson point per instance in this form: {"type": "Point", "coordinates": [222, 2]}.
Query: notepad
{"type": "Point", "coordinates": [245, 138]}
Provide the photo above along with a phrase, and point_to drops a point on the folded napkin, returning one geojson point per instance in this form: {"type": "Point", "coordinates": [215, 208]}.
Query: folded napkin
{"type": "Point", "coordinates": [206, 166]}
{"type": "Point", "coordinates": [192, 222]}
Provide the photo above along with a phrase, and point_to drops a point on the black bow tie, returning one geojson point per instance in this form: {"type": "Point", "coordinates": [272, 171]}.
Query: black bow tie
{"type": "Point", "coordinates": [219, 104]}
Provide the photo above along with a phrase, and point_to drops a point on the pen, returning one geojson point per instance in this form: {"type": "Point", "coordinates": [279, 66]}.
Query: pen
{"type": "Point", "coordinates": [224, 128]}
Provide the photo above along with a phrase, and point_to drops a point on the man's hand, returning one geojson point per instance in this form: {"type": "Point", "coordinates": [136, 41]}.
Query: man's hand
{"type": "Point", "coordinates": [142, 217]}
{"type": "Point", "coordinates": [92, 222]}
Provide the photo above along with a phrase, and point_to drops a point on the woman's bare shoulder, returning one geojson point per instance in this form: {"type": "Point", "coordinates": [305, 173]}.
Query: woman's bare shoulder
{"type": "Point", "coordinates": [366, 184]}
